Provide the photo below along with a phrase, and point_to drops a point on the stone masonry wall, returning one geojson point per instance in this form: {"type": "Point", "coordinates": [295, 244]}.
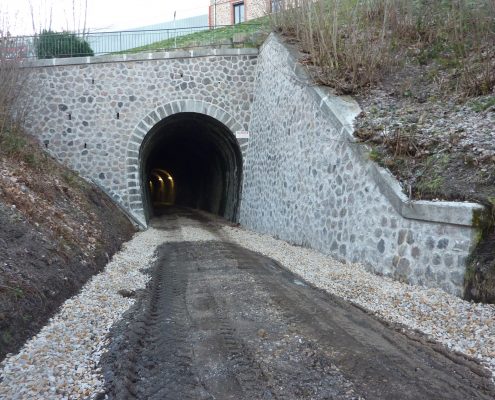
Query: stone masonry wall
{"type": "Point", "coordinates": [307, 183]}
{"type": "Point", "coordinates": [92, 113]}
{"type": "Point", "coordinates": [305, 180]}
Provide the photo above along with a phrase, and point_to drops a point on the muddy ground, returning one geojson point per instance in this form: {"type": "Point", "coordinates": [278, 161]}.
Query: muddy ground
{"type": "Point", "coordinates": [218, 321]}
{"type": "Point", "coordinates": [56, 231]}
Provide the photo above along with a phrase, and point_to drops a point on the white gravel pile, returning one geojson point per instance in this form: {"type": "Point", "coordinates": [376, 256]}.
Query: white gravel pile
{"type": "Point", "coordinates": [465, 327]}
{"type": "Point", "coordinates": [61, 361]}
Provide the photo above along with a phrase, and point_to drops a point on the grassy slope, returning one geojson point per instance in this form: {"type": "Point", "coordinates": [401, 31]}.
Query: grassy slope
{"type": "Point", "coordinates": [247, 33]}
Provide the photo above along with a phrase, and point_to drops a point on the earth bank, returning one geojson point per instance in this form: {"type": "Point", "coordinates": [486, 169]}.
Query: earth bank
{"type": "Point", "coordinates": [56, 231]}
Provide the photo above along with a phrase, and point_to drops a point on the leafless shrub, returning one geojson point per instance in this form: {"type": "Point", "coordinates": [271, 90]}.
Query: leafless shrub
{"type": "Point", "coordinates": [349, 42]}
{"type": "Point", "coordinates": [478, 76]}
{"type": "Point", "coordinates": [12, 84]}
{"type": "Point", "coordinates": [402, 143]}
{"type": "Point", "coordinates": [354, 43]}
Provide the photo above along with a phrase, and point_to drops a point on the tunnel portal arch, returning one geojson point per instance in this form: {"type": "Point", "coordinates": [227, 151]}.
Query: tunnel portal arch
{"type": "Point", "coordinates": [201, 128]}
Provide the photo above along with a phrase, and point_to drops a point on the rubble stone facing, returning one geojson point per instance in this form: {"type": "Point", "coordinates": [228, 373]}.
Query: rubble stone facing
{"type": "Point", "coordinates": [93, 115]}
{"type": "Point", "coordinates": [306, 181]}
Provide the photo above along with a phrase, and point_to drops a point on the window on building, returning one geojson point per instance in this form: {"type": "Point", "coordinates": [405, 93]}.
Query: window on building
{"type": "Point", "coordinates": [238, 13]}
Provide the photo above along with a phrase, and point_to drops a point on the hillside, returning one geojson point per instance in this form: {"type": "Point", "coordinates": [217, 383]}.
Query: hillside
{"type": "Point", "coordinates": [56, 231]}
{"type": "Point", "coordinates": [424, 75]}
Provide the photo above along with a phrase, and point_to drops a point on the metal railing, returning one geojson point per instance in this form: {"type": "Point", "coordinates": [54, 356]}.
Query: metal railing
{"type": "Point", "coordinates": [66, 44]}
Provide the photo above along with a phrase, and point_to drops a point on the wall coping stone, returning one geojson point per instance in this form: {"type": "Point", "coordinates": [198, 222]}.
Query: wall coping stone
{"type": "Point", "coordinates": [344, 109]}
{"type": "Point", "coordinates": [163, 55]}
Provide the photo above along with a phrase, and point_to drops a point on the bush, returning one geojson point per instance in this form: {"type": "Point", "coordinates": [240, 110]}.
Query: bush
{"type": "Point", "coordinates": [61, 44]}
{"type": "Point", "coordinates": [12, 86]}
{"type": "Point", "coordinates": [356, 42]}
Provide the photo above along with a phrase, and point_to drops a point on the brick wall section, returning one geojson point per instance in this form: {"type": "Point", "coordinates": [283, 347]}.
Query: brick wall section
{"type": "Point", "coordinates": [258, 8]}
{"type": "Point", "coordinates": [225, 10]}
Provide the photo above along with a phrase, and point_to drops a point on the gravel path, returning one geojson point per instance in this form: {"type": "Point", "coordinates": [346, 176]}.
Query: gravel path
{"type": "Point", "coordinates": [61, 361]}
{"type": "Point", "coordinates": [463, 327]}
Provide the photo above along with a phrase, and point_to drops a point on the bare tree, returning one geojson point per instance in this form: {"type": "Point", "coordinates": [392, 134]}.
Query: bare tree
{"type": "Point", "coordinates": [85, 16]}
{"type": "Point", "coordinates": [42, 15]}
{"type": "Point", "coordinates": [12, 79]}
{"type": "Point", "coordinates": [79, 15]}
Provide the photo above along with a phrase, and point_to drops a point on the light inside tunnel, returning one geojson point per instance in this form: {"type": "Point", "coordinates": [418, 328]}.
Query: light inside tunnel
{"type": "Point", "coordinates": [162, 191]}
{"type": "Point", "coordinates": [191, 160]}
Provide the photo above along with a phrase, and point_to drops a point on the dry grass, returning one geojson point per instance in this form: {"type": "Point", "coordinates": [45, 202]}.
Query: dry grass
{"type": "Point", "coordinates": [12, 86]}
{"type": "Point", "coordinates": [355, 43]}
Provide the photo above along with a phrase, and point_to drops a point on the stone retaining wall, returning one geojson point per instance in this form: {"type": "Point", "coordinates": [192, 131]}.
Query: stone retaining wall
{"type": "Point", "coordinates": [305, 178]}
{"type": "Point", "coordinates": [306, 181]}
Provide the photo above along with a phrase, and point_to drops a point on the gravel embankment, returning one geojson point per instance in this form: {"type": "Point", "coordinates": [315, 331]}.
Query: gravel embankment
{"type": "Point", "coordinates": [61, 362]}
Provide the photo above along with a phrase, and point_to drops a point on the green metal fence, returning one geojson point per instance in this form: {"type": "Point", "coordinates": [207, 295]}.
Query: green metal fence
{"type": "Point", "coordinates": [67, 44]}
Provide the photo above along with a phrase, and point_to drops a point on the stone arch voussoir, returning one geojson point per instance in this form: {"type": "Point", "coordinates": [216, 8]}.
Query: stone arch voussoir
{"type": "Point", "coordinates": [144, 126]}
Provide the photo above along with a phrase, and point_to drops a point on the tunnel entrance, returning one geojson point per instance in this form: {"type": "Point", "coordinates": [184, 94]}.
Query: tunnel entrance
{"type": "Point", "coordinates": [191, 160]}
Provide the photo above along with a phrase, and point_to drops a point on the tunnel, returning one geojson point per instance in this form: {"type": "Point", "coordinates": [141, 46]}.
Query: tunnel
{"type": "Point", "coordinates": [191, 160]}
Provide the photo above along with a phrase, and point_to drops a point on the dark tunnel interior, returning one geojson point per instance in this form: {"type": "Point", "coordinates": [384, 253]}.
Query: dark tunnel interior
{"type": "Point", "coordinates": [191, 160]}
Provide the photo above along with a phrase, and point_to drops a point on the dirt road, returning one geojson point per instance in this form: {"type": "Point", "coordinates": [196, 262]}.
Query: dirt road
{"type": "Point", "coordinates": [221, 322]}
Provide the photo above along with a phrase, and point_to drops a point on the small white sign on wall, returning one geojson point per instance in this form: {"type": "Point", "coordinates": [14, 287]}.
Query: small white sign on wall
{"type": "Point", "coordinates": [242, 135]}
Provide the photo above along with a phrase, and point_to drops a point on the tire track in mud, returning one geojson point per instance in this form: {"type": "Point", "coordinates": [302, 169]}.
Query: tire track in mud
{"type": "Point", "coordinates": [161, 356]}
{"type": "Point", "coordinates": [218, 321]}
{"type": "Point", "coordinates": [158, 347]}
{"type": "Point", "coordinates": [383, 363]}
{"type": "Point", "coordinates": [241, 375]}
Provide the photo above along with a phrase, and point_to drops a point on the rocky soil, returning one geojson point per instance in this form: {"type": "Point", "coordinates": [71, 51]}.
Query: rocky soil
{"type": "Point", "coordinates": [440, 146]}
{"type": "Point", "coordinates": [56, 231]}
